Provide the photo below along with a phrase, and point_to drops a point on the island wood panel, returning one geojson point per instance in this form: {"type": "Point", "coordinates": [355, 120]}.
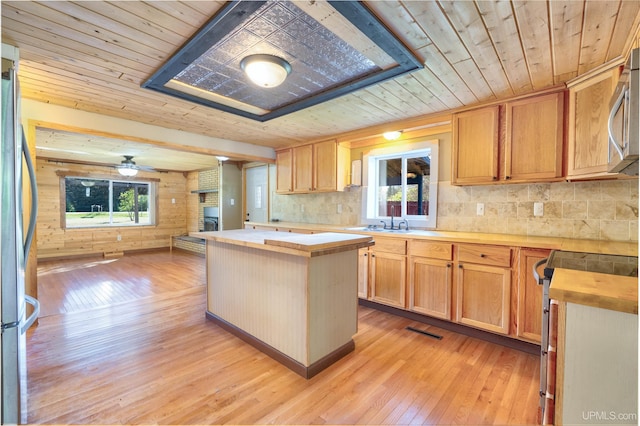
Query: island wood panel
{"type": "Point", "coordinates": [303, 307]}
{"type": "Point", "coordinates": [55, 240]}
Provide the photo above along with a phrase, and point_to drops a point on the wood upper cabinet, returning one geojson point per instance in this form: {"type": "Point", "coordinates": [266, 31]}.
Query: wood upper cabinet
{"type": "Point", "coordinates": [518, 141]}
{"type": "Point", "coordinates": [529, 320]}
{"type": "Point", "coordinates": [321, 167]}
{"type": "Point", "coordinates": [534, 138]}
{"type": "Point", "coordinates": [475, 146]}
{"type": "Point", "coordinates": [284, 176]}
{"type": "Point", "coordinates": [388, 272]}
{"type": "Point", "coordinates": [303, 168]}
{"type": "Point", "coordinates": [484, 290]}
{"type": "Point", "coordinates": [588, 138]}
{"type": "Point", "coordinates": [430, 278]}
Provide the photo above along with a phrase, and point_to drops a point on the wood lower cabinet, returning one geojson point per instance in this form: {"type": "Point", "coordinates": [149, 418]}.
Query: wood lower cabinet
{"type": "Point", "coordinates": [529, 308]}
{"type": "Point", "coordinates": [483, 286]}
{"type": "Point", "coordinates": [430, 287]}
{"type": "Point", "coordinates": [483, 297]}
{"type": "Point", "coordinates": [388, 272]}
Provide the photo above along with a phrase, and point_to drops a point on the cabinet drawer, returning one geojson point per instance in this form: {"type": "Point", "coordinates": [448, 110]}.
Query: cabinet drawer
{"type": "Point", "coordinates": [432, 249]}
{"type": "Point", "coordinates": [390, 245]}
{"type": "Point", "coordinates": [485, 255]}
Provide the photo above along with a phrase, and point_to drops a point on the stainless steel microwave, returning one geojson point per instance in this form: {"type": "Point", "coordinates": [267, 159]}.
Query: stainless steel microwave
{"type": "Point", "coordinates": [624, 116]}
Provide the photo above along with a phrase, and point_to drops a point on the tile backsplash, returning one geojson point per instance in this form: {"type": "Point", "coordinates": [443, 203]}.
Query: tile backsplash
{"type": "Point", "coordinates": [599, 210]}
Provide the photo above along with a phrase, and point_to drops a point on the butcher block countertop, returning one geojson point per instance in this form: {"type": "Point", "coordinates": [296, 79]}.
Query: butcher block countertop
{"type": "Point", "coordinates": [614, 292]}
{"type": "Point", "coordinates": [621, 248]}
{"type": "Point", "coordinates": [308, 245]}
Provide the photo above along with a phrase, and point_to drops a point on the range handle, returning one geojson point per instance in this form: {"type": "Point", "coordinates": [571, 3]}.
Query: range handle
{"type": "Point", "coordinates": [536, 275]}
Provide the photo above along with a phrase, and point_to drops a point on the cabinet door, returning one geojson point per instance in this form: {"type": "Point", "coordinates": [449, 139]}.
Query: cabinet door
{"type": "Point", "coordinates": [363, 273]}
{"type": "Point", "coordinates": [430, 287]}
{"type": "Point", "coordinates": [587, 154]}
{"type": "Point", "coordinates": [388, 278]}
{"type": "Point", "coordinates": [475, 146]}
{"type": "Point", "coordinates": [534, 138]}
{"type": "Point", "coordinates": [483, 297]}
{"type": "Point", "coordinates": [284, 162]}
{"type": "Point", "coordinates": [303, 168]}
{"type": "Point", "coordinates": [529, 321]}
{"type": "Point", "coordinates": [325, 166]}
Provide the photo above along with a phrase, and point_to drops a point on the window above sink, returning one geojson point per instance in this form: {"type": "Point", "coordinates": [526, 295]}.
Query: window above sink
{"type": "Point", "coordinates": [401, 182]}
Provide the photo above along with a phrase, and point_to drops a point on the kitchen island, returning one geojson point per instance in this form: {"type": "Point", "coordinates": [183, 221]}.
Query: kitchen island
{"type": "Point", "coordinates": [293, 296]}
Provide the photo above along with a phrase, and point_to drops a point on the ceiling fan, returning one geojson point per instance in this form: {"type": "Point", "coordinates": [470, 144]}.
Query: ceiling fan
{"type": "Point", "coordinates": [128, 167]}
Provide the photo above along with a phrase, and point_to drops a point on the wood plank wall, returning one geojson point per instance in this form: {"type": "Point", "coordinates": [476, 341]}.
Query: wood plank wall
{"type": "Point", "coordinates": [55, 241]}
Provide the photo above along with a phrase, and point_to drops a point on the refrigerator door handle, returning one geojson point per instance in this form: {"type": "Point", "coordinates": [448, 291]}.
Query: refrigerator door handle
{"type": "Point", "coordinates": [34, 315]}
{"type": "Point", "coordinates": [34, 198]}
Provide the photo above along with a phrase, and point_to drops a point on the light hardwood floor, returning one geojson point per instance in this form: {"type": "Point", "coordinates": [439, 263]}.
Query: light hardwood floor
{"type": "Point", "coordinates": [126, 342]}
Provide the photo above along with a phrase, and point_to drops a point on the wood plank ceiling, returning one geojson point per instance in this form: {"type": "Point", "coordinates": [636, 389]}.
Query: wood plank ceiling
{"type": "Point", "coordinates": [94, 55]}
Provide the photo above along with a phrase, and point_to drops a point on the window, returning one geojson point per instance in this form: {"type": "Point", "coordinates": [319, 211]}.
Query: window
{"type": "Point", "coordinates": [402, 182]}
{"type": "Point", "coordinates": [103, 202]}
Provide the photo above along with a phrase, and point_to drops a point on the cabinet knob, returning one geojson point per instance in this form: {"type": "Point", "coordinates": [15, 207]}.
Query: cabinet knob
{"type": "Point", "coordinates": [482, 255]}
{"type": "Point", "coordinates": [495, 178]}
{"type": "Point", "coordinates": [460, 266]}
{"type": "Point", "coordinates": [365, 255]}
{"type": "Point", "coordinates": [448, 265]}
{"type": "Point", "coordinates": [507, 177]}
{"type": "Point", "coordinates": [373, 255]}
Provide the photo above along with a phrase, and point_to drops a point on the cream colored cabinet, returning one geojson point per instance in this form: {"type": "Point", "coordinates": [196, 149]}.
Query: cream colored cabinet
{"type": "Point", "coordinates": [483, 284]}
{"type": "Point", "coordinates": [430, 278]}
{"type": "Point", "coordinates": [284, 169]}
{"type": "Point", "coordinates": [475, 147]}
{"type": "Point", "coordinates": [363, 273]}
{"type": "Point", "coordinates": [518, 141]}
{"type": "Point", "coordinates": [529, 310]}
{"type": "Point", "coordinates": [388, 272]}
{"type": "Point", "coordinates": [587, 153]}
{"type": "Point", "coordinates": [318, 167]}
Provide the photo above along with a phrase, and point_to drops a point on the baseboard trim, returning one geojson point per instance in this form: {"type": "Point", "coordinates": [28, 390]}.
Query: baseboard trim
{"type": "Point", "coordinates": [509, 342]}
{"type": "Point", "coordinates": [287, 361]}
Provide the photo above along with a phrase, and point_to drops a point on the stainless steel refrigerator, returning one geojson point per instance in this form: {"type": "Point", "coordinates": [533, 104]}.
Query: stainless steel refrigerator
{"type": "Point", "coordinates": [14, 245]}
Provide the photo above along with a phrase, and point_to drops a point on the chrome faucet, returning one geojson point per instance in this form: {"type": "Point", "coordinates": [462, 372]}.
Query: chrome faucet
{"type": "Point", "coordinates": [406, 224]}
{"type": "Point", "coordinates": [393, 210]}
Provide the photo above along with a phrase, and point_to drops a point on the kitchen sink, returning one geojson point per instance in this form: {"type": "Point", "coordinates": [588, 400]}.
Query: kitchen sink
{"type": "Point", "coordinates": [377, 229]}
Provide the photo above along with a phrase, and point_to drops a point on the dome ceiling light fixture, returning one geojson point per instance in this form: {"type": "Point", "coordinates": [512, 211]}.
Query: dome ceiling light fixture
{"type": "Point", "coordinates": [265, 70]}
{"type": "Point", "coordinates": [391, 136]}
{"type": "Point", "coordinates": [128, 167]}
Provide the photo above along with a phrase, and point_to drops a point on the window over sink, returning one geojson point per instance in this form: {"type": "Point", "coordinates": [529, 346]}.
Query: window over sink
{"type": "Point", "coordinates": [401, 182]}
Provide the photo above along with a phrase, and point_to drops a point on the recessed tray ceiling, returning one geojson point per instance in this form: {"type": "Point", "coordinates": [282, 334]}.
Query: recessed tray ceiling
{"type": "Point", "coordinates": [333, 47]}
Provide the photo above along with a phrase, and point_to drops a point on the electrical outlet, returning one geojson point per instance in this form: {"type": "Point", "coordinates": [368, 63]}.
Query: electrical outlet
{"type": "Point", "coordinates": [232, 201]}
{"type": "Point", "coordinates": [119, 237]}
{"type": "Point", "coordinates": [301, 208]}
{"type": "Point", "coordinates": [480, 209]}
{"type": "Point", "coordinates": [339, 208]}
{"type": "Point", "coordinates": [173, 201]}
{"type": "Point", "coordinates": [538, 209]}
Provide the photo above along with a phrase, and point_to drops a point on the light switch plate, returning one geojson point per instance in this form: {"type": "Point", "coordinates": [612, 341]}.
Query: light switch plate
{"type": "Point", "coordinates": [480, 209]}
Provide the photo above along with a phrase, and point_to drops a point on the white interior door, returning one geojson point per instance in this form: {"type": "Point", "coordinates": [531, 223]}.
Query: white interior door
{"type": "Point", "coordinates": [256, 190]}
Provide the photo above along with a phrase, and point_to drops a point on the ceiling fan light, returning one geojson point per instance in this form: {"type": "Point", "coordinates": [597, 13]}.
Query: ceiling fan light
{"type": "Point", "coordinates": [265, 70]}
{"type": "Point", "coordinates": [222, 158]}
{"type": "Point", "coordinates": [127, 171]}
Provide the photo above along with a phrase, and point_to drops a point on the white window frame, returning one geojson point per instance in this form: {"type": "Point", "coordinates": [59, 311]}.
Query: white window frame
{"type": "Point", "coordinates": [151, 197]}
{"type": "Point", "coordinates": [370, 189]}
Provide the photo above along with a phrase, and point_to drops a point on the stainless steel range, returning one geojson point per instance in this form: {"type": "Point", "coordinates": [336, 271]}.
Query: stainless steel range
{"type": "Point", "coordinates": [591, 262]}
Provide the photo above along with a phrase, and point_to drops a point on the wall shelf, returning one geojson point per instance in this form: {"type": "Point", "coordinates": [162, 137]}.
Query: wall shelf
{"type": "Point", "coordinates": [202, 193]}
